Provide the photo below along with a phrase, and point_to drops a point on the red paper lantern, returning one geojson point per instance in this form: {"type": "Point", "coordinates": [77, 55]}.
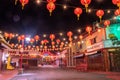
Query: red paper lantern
{"type": "Point", "coordinates": [62, 43]}
{"type": "Point", "coordinates": [100, 13]}
{"type": "Point", "coordinates": [69, 34]}
{"type": "Point", "coordinates": [85, 3]}
{"type": "Point", "coordinates": [24, 2]}
{"type": "Point", "coordinates": [107, 23]}
{"type": "Point", "coordinates": [19, 38]}
{"type": "Point", "coordinates": [50, 7]}
{"type": "Point", "coordinates": [80, 37]}
{"type": "Point", "coordinates": [36, 37]}
{"type": "Point", "coordinates": [78, 12]}
{"type": "Point", "coordinates": [117, 12]}
{"type": "Point", "coordinates": [32, 40]}
{"type": "Point", "coordinates": [52, 37]}
{"type": "Point", "coordinates": [29, 46]}
{"type": "Point", "coordinates": [6, 35]}
{"type": "Point", "coordinates": [58, 41]}
{"type": "Point", "coordinates": [53, 43]}
{"type": "Point", "coordinates": [45, 41]}
{"type": "Point", "coordinates": [22, 37]}
{"type": "Point", "coordinates": [88, 29]}
{"type": "Point", "coordinates": [42, 42]}
{"type": "Point", "coordinates": [116, 2]}
{"type": "Point", "coordinates": [51, 1]}
{"type": "Point", "coordinates": [12, 45]}
{"type": "Point", "coordinates": [11, 36]}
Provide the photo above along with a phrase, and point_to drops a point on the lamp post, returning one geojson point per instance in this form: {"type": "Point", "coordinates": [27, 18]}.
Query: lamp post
{"type": "Point", "coordinates": [21, 57]}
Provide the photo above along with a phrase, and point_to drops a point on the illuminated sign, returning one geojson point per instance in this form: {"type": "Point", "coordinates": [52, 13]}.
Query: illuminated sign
{"type": "Point", "coordinates": [95, 46]}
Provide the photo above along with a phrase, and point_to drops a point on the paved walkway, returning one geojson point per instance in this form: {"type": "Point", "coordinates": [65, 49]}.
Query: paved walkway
{"type": "Point", "coordinates": [7, 74]}
{"type": "Point", "coordinates": [111, 75]}
{"type": "Point", "coordinates": [58, 74]}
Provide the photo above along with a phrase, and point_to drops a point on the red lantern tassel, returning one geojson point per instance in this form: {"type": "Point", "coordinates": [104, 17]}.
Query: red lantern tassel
{"type": "Point", "coordinates": [50, 12]}
{"type": "Point", "coordinates": [78, 17]}
{"type": "Point", "coordinates": [16, 2]}
{"type": "Point", "coordinates": [100, 18]}
{"type": "Point", "coordinates": [23, 6]}
{"type": "Point", "coordinates": [86, 7]}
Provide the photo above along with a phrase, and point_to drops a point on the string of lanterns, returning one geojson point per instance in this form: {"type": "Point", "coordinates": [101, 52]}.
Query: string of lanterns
{"type": "Point", "coordinates": [51, 5]}
{"type": "Point", "coordinates": [53, 40]}
{"type": "Point", "coordinates": [78, 11]}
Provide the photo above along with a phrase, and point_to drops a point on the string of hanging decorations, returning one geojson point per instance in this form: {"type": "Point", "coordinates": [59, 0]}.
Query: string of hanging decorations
{"type": "Point", "coordinates": [54, 41]}
{"type": "Point", "coordinates": [51, 5]}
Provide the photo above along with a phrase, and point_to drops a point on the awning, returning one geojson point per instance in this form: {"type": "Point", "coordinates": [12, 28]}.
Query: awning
{"type": "Point", "coordinates": [90, 53]}
{"type": "Point", "coordinates": [80, 55]}
{"type": "Point", "coordinates": [5, 46]}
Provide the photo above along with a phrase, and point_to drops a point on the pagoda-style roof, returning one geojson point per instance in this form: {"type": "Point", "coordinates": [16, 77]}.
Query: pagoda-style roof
{"type": "Point", "coordinates": [4, 43]}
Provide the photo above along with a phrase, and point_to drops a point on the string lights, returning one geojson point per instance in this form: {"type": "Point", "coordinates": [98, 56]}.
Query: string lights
{"type": "Point", "coordinates": [51, 6]}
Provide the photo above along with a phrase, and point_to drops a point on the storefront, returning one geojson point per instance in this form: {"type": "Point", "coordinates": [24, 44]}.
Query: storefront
{"type": "Point", "coordinates": [96, 57]}
{"type": "Point", "coordinates": [4, 47]}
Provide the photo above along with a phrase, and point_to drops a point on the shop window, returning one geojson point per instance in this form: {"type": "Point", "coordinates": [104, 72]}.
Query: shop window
{"type": "Point", "coordinates": [80, 46]}
{"type": "Point", "coordinates": [93, 40]}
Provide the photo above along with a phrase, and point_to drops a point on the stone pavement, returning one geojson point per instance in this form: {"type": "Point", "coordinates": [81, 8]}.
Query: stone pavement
{"type": "Point", "coordinates": [73, 75]}
{"type": "Point", "coordinates": [8, 74]}
{"type": "Point", "coordinates": [111, 75]}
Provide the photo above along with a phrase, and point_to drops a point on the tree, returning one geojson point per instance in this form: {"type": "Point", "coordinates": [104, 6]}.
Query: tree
{"type": "Point", "coordinates": [116, 53]}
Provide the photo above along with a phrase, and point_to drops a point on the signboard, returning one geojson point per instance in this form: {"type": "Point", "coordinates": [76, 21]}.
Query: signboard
{"type": "Point", "coordinates": [95, 46]}
{"type": "Point", "coordinates": [113, 29]}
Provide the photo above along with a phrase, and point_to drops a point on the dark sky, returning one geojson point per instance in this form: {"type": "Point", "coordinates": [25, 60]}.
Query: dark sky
{"type": "Point", "coordinates": [35, 19]}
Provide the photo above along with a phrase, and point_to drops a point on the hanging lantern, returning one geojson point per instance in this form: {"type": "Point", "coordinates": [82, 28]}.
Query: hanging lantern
{"type": "Point", "coordinates": [19, 46]}
{"type": "Point", "coordinates": [12, 45]}
{"type": "Point", "coordinates": [42, 42]}
{"type": "Point", "coordinates": [24, 2]}
{"type": "Point", "coordinates": [52, 37]}
{"type": "Point", "coordinates": [62, 43]}
{"type": "Point", "coordinates": [107, 23]}
{"type": "Point", "coordinates": [45, 47]}
{"type": "Point", "coordinates": [36, 38]}
{"type": "Point", "coordinates": [85, 3]}
{"type": "Point", "coordinates": [11, 36]}
{"type": "Point", "coordinates": [53, 43]}
{"type": "Point", "coordinates": [116, 2]}
{"type": "Point", "coordinates": [29, 46]}
{"type": "Point", "coordinates": [53, 47]}
{"type": "Point", "coordinates": [58, 41]}
{"type": "Point", "coordinates": [19, 38]}
{"type": "Point", "coordinates": [50, 7]}
{"type": "Point", "coordinates": [100, 13]}
{"type": "Point", "coordinates": [6, 35]}
{"type": "Point", "coordinates": [45, 41]}
{"type": "Point", "coordinates": [22, 37]}
{"type": "Point", "coordinates": [80, 37]}
{"type": "Point", "coordinates": [117, 12]}
{"type": "Point", "coordinates": [78, 12]}
{"type": "Point", "coordinates": [32, 40]}
{"type": "Point", "coordinates": [51, 1]}
{"type": "Point", "coordinates": [69, 34]}
{"type": "Point", "coordinates": [88, 29]}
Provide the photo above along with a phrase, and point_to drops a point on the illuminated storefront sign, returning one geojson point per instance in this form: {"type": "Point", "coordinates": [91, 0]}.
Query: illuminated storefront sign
{"type": "Point", "coordinates": [95, 46]}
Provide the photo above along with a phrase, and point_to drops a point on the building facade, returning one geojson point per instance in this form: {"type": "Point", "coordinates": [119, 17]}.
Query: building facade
{"type": "Point", "coordinates": [98, 52]}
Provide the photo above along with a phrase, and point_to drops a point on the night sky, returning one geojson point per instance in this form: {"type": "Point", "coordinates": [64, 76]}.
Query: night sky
{"type": "Point", "coordinates": [35, 19]}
